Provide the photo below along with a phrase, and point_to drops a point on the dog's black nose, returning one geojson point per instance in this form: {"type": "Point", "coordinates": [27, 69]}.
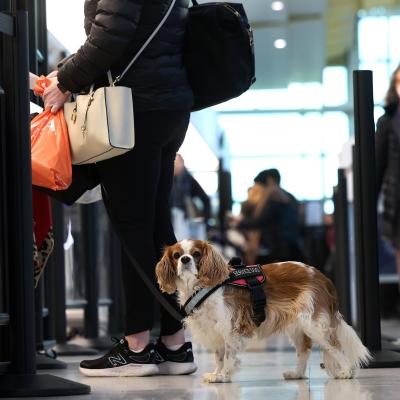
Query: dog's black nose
{"type": "Point", "coordinates": [185, 259]}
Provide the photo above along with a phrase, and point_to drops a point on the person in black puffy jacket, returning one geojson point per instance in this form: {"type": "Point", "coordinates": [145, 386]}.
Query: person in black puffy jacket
{"type": "Point", "coordinates": [387, 152]}
{"type": "Point", "coordinates": [137, 185]}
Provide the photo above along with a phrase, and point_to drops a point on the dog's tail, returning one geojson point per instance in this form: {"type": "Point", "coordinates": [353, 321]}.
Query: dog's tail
{"type": "Point", "coordinates": [351, 345]}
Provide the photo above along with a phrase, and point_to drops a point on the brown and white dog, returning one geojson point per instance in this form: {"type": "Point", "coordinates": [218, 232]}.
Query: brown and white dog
{"type": "Point", "coordinates": [301, 302]}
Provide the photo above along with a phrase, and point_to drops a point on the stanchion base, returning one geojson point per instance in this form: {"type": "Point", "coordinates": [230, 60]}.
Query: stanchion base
{"type": "Point", "coordinates": [389, 346]}
{"type": "Point", "coordinates": [45, 362]}
{"type": "Point", "coordinates": [70, 349]}
{"type": "Point", "coordinates": [39, 386]}
{"type": "Point", "coordinates": [384, 359]}
{"type": "Point", "coordinates": [388, 338]}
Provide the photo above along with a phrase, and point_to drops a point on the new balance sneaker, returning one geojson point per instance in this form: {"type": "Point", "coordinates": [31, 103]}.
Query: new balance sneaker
{"type": "Point", "coordinates": [121, 361]}
{"type": "Point", "coordinates": [175, 362]}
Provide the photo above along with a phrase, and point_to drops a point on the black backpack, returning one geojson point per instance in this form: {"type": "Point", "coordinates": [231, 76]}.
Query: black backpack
{"type": "Point", "coordinates": [218, 53]}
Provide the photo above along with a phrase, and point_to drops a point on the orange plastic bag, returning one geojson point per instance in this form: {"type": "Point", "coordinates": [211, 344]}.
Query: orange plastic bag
{"type": "Point", "coordinates": [51, 154]}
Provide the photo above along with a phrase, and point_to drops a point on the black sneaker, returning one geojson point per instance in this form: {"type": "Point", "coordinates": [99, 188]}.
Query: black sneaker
{"type": "Point", "coordinates": [175, 362]}
{"type": "Point", "coordinates": [121, 361]}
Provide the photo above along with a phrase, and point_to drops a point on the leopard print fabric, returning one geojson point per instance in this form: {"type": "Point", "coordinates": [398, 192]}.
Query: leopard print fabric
{"type": "Point", "coordinates": [41, 256]}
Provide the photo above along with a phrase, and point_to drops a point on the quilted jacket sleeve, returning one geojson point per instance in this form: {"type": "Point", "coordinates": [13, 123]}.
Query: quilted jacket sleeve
{"type": "Point", "coordinates": [112, 31]}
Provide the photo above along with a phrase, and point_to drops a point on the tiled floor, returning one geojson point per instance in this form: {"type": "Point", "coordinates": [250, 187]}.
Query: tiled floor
{"type": "Point", "coordinates": [259, 378]}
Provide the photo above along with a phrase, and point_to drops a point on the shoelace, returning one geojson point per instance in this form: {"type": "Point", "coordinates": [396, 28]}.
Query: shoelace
{"type": "Point", "coordinates": [117, 348]}
{"type": "Point", "coordinates": [115, 339]}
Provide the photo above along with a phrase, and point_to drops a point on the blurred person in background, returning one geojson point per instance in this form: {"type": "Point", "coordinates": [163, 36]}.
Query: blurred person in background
{"type": "Point", "coordinates": [272, 222]}
{"type": "Point", "coordinates": [187, 192]}
{"type": "Point", "coordinates": [251, 209]}
{"type": "Point", "coordinates": [387, 146]}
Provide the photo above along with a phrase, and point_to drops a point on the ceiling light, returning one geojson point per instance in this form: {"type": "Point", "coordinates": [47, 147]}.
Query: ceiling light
{"type": "Point", "coordinates": [280, 43]}
{"type": "Point", "coordinates": [277, 5]}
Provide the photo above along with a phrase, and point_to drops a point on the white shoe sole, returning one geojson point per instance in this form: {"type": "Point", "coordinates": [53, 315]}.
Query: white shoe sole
{"type": "Point", "coordinates": [174, 368]}
{"type": "Point", "coordinates": [124, 370]}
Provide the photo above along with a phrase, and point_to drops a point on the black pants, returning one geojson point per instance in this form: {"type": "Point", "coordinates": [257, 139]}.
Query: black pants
{"type": "Point", "coordinates": [138, 186]}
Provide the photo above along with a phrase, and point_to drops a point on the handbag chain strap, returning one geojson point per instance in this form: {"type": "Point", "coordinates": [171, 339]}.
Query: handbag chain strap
{"type": "Point", "coordinates": [119, 77]}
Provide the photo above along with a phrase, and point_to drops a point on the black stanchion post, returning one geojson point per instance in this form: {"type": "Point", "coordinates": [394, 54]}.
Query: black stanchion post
{"type": "Point", "coordinates": [37, 24]}
{"type": "Point", "coordinates": [44, 359]}
{"type": "Point", "coordinates": [342, 273]}
{"type": "Point", "coordinates": [365, 210]}
{"type": "Point", "coordinates": [89, 251]}
{"type": "Point", "coordinates": [90, 233]}
{"type": "Point", "coordinates": [59, 273]}
{"type": "Point", "coordinates": [40, 32]}
{"type": "Point", "coordinates": [22, 380]}
{"type": "Point", "coordinates": [50, 289]}
{"type": "Point", "coordinates": [20, 207]}
{"type": "Point", "coordinates": [59, 296]}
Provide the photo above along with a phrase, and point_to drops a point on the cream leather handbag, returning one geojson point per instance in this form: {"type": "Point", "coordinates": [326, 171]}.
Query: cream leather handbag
{"type": "Point", "coordinates": [101, 124]}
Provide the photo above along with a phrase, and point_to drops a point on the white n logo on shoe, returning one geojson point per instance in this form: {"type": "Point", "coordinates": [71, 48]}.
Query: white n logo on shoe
{"type": "Point", "coordinates": [159, 357]}
{"type": "Point", "coordinates": [117, 360]}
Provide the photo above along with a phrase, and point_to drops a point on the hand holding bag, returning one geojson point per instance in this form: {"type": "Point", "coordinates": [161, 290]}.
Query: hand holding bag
{"type": "Point", "coordinates": [50, 150]}
{"type": "Point", "coordinates": [101, 123]}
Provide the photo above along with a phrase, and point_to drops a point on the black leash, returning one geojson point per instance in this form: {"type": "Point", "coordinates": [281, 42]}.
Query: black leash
{"type": "Point", "coordinates": [256, 291]}
{"type": "Point", "coordinates": [151, 286]}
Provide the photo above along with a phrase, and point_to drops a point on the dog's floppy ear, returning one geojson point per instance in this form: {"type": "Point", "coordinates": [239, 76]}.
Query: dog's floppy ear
{"type": "Point", "coordinates": [213, 269]}
{"type": "Point", "coordinates": [166, 273]}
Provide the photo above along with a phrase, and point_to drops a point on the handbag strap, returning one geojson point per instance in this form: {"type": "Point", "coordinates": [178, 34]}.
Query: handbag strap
{"type": "Point", "coordinates": [151, 37]}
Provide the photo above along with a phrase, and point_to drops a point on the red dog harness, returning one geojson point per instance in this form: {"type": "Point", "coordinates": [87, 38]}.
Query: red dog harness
{"type": "Point", "coordinates": [248, 271]}
{"type": "Point", "coordinates": [250, 277]}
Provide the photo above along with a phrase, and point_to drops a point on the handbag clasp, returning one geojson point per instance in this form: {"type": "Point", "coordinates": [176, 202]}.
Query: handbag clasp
{"type": "Point", "coordinates": [84, 126]}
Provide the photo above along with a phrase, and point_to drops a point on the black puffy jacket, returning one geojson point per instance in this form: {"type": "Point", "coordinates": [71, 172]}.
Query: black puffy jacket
{"type": "Point", "coordinates": [115, 30]}
{"type": "Point", "coordinates": [387, 153]}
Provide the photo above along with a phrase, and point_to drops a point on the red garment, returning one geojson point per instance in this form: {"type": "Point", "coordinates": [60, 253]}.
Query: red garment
{"type": "Point", "coordinates": [41, 216]}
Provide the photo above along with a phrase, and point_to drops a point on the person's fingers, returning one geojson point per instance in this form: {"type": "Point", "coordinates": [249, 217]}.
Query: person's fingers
{"type": "Point", "coordinates": [49, 100]}
{"type": "Point", "coordinates": [49, 89]}
{"type": "Point", "coordinates": [46, 94]}
{"type": "Point", "coordinates": [50, 95]}
{"type": "Point", "coordinates": [56, 106]}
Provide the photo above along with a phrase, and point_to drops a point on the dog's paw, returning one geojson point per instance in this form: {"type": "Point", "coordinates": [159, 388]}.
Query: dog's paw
{"type": "Point", "coordinates": [345, 374]}
{"type": "Point", "coordinates": [211, 377]}
{"type": "Point", "coordinates": [288, 375]}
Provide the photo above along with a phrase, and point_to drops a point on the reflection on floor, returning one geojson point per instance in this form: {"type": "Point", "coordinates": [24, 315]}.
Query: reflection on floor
{"type": "Point", "coordinates": [259, 378]}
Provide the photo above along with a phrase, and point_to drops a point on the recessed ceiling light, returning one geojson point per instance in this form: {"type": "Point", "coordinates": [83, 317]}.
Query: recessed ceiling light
{"type": "Point", "coordinates": [277, 5]}
{"type": "Point", "coordinates": [280, 43]}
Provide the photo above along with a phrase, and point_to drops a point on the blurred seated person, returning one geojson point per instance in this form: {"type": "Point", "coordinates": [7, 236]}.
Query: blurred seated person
{"type": "Point", "coordinates": [187, 193]}
{"type": "Point", "coordinates": [251, 209]}
{"type": "Point", "coordinates": [272, 223]}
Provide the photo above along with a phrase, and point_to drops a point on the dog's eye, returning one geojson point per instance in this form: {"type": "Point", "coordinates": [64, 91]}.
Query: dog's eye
{"type": "Point", "coordinates": [176, 255]}
{"type": "Point", "coordinates": [196, 254]}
